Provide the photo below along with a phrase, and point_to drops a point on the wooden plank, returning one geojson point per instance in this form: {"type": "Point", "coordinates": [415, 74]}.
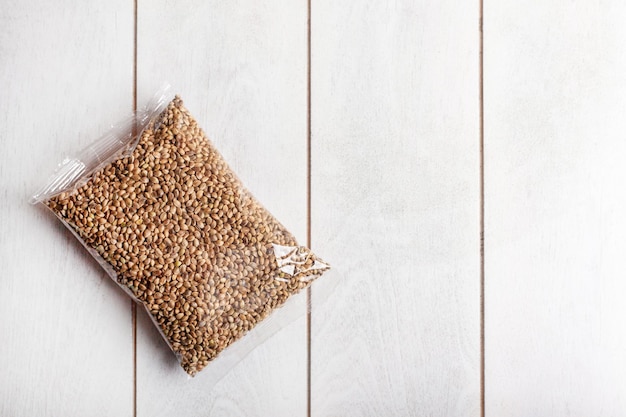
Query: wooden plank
{"type": "Point", "coordinates": [554, 156]}
{"type": "Point", "coordinates": [66, 327]}
{"type": "Point", "coordinates": [241, 70]}
{"type": "Point", "coordinates": [395, 208]}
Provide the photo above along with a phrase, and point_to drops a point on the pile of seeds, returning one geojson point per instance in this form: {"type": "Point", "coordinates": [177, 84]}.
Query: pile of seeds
{"type": "Point", "coordinates": [183, 235]}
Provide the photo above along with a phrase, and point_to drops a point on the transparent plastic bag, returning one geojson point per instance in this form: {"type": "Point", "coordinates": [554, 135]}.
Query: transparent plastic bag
{"type": "Point", "coordinates": [155, 203]}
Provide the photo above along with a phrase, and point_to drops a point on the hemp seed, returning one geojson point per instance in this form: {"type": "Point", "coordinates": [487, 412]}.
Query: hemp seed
{"type": "Point", "coordinates": [183, 235]}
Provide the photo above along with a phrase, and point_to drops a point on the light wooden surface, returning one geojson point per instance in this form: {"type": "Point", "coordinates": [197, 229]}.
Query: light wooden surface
{"type": "Point", "coordinates": [555, 99]}
{"type": "Point", "coordinates": [395, 203]}
{"type": "Point", "coordinates": [65, 327]}
{"type": "Point", "coordinates": [246, 82]}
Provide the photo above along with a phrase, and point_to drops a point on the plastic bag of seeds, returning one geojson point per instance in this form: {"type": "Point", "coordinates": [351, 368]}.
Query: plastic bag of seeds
{"type": "Point", "coordinates": [156, 204]}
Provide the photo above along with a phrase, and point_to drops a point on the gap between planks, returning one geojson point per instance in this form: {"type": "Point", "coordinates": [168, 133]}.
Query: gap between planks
{"type": "Point", "coordinates": [308, 205]}
{"type": "Point", "coordinates": [482, 204]}
{"type": "Point", "coordinates": [133, 303]}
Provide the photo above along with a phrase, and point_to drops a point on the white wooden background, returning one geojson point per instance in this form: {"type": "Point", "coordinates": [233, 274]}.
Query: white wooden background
{"type": "Point", "coordinates": [390, 134]}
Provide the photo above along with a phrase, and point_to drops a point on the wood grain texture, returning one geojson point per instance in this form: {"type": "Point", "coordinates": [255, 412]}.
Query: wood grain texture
{"type": "Point", "coordinates": [555, 100]}
{"type": "Point", "coordinates": [395, 208]}
{"type": "Point", "coordinates": [240, 67]}
{"type": "Point", "coordinates": [65, 72]}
